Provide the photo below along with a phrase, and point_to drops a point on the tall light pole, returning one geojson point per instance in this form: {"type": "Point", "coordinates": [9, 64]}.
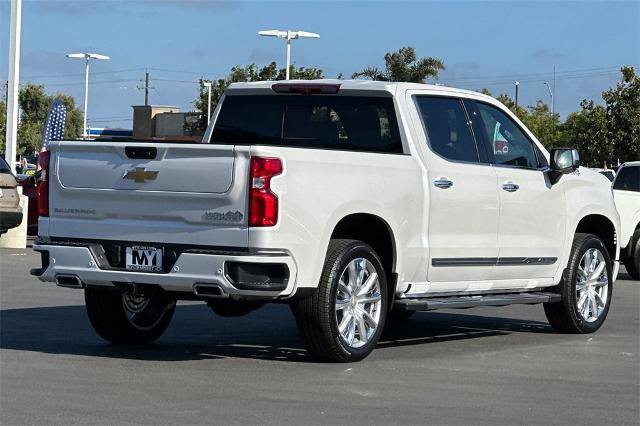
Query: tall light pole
{"type": "Point", "coordinates": [208, 85]}
{"type": "Point", "coordinates": [546, 83]}
{"type": "Point", "coordinates": [517, 87]}
{"type": "Point", "coordinates": [288, 35]}
{"type": "Point", "coordinates": [87, 57]}
{"type": "Point", "coordinates": [12, 85]}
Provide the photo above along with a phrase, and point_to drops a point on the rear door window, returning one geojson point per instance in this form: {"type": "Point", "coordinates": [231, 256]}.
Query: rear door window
{"type": "Point", "coordinates": [628, 179]}
{"type": "Point", "coordinates": [353, 123]}
{"type": "Point", "coordinates": [447, 128]}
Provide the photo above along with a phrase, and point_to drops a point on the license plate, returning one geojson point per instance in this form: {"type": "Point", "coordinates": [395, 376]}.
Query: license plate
{"type": "Point", "coordinates": [144, 259]}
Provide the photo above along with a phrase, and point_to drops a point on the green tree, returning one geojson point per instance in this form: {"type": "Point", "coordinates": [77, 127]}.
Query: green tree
{"type": "Point", "coordinates": [538, 118]}
{"type": "Point", "coordinates": [403, 65]}
{"type": "Point", "coordinates": [34, 104]}
{"type": "Point", "coordinates": [239, 74]}
{"type": "Point", "coordinates": [586, 130]}
{"type": "Point", "coordinates": [623, 116]}
{"type": "Point", "coordinates": [543, 124]}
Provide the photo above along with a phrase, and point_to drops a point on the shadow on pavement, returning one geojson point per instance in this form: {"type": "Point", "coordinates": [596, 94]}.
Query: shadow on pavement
{"type": "Point", "coordinates": [196, 333]}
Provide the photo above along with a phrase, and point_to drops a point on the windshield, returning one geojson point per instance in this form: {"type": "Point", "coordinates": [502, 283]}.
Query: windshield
{"type": "Point", "coordinates": [4, 167]}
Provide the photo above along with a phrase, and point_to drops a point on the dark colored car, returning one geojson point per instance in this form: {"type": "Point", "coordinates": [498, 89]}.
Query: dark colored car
{"type": "Point", "coordinates": [30, 189]}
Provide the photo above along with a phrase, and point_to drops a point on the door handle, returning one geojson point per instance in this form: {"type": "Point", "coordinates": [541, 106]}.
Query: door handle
{"type": "Point", "coordinates": [510, 186]}
{"type": "Point", "coordinates": [443, 183]}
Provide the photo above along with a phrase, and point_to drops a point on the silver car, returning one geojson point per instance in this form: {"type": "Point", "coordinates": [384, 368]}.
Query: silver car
{"type": "Point", "coordinates": [10, 210]}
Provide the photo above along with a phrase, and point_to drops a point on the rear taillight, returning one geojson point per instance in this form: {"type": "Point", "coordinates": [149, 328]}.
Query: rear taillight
{"type": "Point", "coordinates": [263, 204]}
{"type": "Point", "coordinates": [43, 184]}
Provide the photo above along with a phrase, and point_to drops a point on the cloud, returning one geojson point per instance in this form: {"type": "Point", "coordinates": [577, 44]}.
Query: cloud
{"type": "Point", "coordinates": [266, 56]}
{"type": "Point", "coordinates": [548, 54]}
{"type": "Point", "coordinates": [459, 70]}
{"type": "Point", "coordinates": [87, 7]}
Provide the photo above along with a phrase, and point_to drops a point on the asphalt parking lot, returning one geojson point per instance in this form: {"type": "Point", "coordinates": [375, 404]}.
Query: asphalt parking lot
{"type": "Point", "coordinates": [481, 366]}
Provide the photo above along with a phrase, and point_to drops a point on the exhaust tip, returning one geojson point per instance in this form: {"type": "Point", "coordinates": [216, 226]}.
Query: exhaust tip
{"type": "Point", "coordinates": [69, 281]}
{"type": "Point", "coordinates": [209, 290]}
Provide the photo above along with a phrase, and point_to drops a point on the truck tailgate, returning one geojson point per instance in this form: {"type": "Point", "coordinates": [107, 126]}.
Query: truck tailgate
{"type": "Point", "coordinates": [192, 194]}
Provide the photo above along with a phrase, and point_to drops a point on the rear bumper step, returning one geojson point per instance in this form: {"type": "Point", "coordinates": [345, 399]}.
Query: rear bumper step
{"type": "Point", "coordinates": [458, 302]}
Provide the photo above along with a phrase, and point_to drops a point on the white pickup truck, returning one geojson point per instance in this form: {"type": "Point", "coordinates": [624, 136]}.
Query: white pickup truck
{"type": "Point", "coordinates": [356, 202]}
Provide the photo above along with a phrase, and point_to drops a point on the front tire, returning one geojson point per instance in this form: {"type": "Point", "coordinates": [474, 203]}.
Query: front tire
{"type": "Point", "coordinates": [586, 288]}
{"type": "Point", "coordinates": [343, 320]}
{"type": "Point", "coordinates": [632, 256]}
{"type": "Point", "coordinates": [119, 317]}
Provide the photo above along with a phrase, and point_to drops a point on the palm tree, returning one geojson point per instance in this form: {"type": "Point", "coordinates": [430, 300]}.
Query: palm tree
{"type": "Point", "coordinates": [403, 66]}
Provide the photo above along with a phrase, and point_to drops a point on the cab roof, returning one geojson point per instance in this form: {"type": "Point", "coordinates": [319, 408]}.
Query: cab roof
{"type": "Point", "coordinates": [364, 85]}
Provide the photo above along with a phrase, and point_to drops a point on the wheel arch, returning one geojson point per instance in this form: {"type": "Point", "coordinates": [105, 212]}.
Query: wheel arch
{"type": "Point", "coordinates": [603, 228]}
{"type": "Point", "coordinates": [376, 232]}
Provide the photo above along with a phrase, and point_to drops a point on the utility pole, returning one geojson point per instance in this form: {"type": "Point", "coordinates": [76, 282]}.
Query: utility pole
{"type": "Point", "coordinates": [146, 87]}
{"type": "Point", "coordinates": [517, 86]}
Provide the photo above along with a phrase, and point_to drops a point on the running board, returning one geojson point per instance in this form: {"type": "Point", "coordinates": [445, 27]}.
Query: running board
{"type": "Point", "coordinates": [458, 302]}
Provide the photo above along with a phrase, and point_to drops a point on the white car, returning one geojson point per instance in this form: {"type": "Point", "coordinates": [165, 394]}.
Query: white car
{"type": "Point", "coordinates": [353, 201]}
{"type": "Point", "coordinates": [608, 173]}
{"type": "Point", "coordinates": [626, 191]}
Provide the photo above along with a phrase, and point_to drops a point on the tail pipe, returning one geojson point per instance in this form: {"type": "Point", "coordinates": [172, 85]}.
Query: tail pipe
{"type": "Point", "coordinates": [69, 281]}
{"type": "Point", "coordinates": [209, 291]}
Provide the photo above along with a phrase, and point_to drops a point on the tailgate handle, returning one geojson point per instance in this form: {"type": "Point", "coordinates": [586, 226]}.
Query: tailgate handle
{"type": "Point", "coordinates": [141, 152]}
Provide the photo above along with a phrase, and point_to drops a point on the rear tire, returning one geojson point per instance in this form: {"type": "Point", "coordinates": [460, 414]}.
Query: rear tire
{"type": "Point", "coordinates": [121, 318]}
{"type": "Point", "coordinates": [632, 256]}
{"type": "Point", "coordinates": [586, 288]}
{"type": "Point", "coordinates": [343, 320]}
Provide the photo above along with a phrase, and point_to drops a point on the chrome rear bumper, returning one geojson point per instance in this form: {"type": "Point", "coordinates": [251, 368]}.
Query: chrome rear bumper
{"type": "Point", "coordinates": [191, 272]}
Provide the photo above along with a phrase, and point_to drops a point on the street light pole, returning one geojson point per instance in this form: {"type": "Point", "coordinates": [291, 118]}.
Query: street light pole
{"type": "Point", "coordinates": [208, 84]}
{"type": "Point", "coordinates": [87, 57]}
{"type": "Point", "coordinates": [288, 55]}
{"type": "Point", "coordinates": [546, 83]}
{"type": "Point", "coordinates": [517, 86]}
{"type": "Point", "coordinates": [86, 97]}
{"type": "Point", "coordinates": [11, 135]}
{"type": "Point", "coordinates": [288, 35]}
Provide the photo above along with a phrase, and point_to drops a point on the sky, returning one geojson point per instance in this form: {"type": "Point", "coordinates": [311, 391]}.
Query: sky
{"type": "Point", "coordinates": [482, 43]}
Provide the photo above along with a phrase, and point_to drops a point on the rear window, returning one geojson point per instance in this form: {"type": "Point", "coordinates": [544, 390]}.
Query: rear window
{"type": "Point", "coordinates": [352, 123]}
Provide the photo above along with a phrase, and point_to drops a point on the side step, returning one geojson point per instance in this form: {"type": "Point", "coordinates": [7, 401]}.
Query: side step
{"type": "Point", "coordinates": [456, 302]}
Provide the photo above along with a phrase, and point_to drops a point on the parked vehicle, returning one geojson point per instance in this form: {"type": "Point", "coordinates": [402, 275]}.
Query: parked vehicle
{"type": "Point", "coordinates": [353, 201]}
{"type": "Point", "coordinates": [626, 191]}
{"type": "Point", "coordinates": [10, 210]}
{"type": "Point", "coordinates": [609, 173]}
{"type": "Point", "coordinates": [30, 190]}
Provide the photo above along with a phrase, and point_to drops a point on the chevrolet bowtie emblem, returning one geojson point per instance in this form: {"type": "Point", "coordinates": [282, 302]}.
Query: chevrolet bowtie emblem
{"type": "Point", "coordinates": [139, 174]}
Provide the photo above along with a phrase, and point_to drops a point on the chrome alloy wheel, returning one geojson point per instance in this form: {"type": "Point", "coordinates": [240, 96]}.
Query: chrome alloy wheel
{"type": "Point", "coordinates": [358, 303]}
{"type": "Point", "coordinates": [592, 285]}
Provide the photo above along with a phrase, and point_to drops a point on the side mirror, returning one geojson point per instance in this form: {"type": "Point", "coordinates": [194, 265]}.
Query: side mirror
{"type": "Point", "coordinates": [563, 161]}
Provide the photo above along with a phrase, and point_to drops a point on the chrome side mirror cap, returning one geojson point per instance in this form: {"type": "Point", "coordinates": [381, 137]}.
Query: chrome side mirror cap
{"type": "Point", "coordinates": [563, 161]}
